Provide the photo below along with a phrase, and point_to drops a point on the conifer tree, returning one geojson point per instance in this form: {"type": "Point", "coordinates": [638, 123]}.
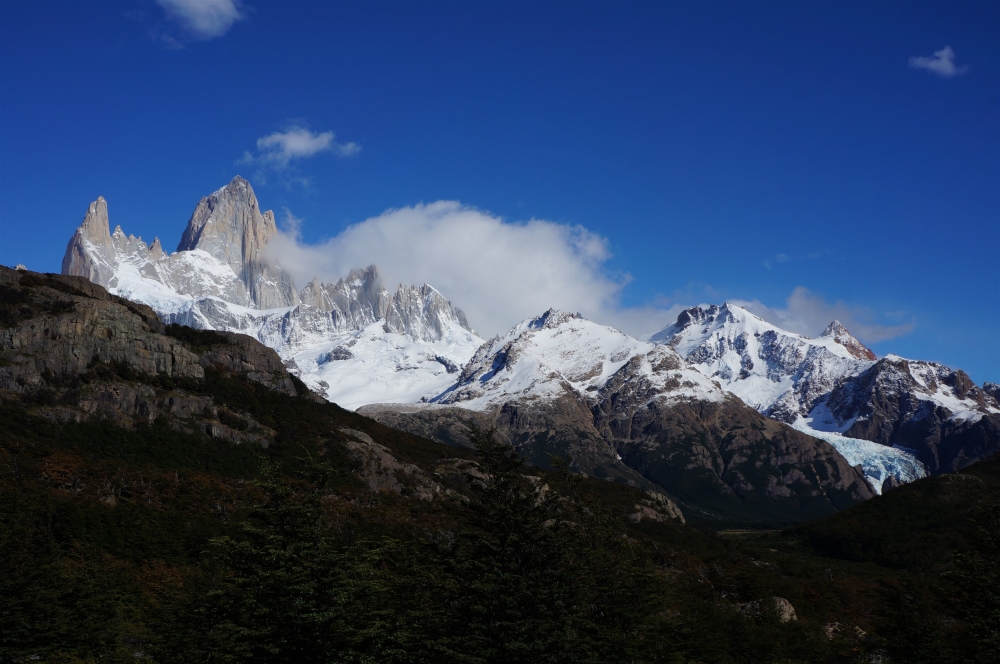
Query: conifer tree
{"type": "Point", "coordinates": [280, 595]}
{"type": "Point", "coordinates": [517, 601]}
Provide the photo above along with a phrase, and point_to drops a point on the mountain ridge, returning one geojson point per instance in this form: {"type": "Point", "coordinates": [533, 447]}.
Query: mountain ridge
{"type": "Point", "coordinates": [357, 344]}
{"type": "Point", "coordinates": [219, 279]}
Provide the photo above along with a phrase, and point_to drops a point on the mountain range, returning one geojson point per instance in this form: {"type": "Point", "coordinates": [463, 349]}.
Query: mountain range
{"type": "Point", "coordinates": [729, 415]}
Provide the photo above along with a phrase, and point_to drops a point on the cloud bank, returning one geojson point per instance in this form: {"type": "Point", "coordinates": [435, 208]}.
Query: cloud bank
{"type": "Point", "coordinates": [501, 272]}
{"type": "Point", "coordinates": [498, 272]}
{"type": "Point", "coordinates": [942, 64]}
{"type": "Point", "coordinates": [808, 313]}
{"type": "Point", "coordinates": [204, 19]}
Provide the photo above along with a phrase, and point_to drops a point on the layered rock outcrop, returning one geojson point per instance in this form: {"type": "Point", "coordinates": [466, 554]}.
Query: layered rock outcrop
{"type": "Point", "coordinates": [60, 326]}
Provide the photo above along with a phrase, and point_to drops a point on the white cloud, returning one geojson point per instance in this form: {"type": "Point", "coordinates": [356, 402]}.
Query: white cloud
{"type": "Point", "coordinates": [204, 19]}
{"type": "Point", "coordinates": [809, 314]}
{"type": "Point", "coordinates": [498, 272]}
{"type": "Point", "coordinates": [942, 64]}
{"type": "Point", "coordinates": [501, 272]}
{"type": "Point", "coordinates": [276, 151]}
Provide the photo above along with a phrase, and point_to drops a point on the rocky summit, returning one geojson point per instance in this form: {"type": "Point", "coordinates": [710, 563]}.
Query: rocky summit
{"type": "Point", "coordinates": [219, 279]}
{"type": "Point", "coordinates": [921, 416]}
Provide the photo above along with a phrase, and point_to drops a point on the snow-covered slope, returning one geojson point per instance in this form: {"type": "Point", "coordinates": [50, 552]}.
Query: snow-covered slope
{"type": "Point", "coordinates": [359, 343]}
{"type": "Point", "coordinates": [780, 373]}
{"type": "Point", "coordinates": [369, 344]}
{"type": "Point", "coordinates": [635, 411]}
{"type": "Point", "coordinates": [833, 387]}
{"type": "Point", "coordinates": [556, 353]}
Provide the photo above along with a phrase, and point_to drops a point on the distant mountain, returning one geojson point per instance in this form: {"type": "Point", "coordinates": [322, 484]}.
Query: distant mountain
{"type": "Point", "coordinates": [635, 411]}
{"type": "Point", "coordinates": [353, 341]}
{"type": "Point", "coordinates": [559, 383]}
{"type": "Point", "coordinates": [835, 388]}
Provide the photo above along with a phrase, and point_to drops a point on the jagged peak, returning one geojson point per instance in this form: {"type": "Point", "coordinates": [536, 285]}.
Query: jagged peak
{"type": "Point", "coordinates": [156, 249]}
{"type": "Point", "coordinates": [90, 244]}
{"type": "Point", "coordinates": [836, 331]}
{"type": "Point", "coordinates": [368, 274]}
{"type": "Point", "coordinates": [552, 318]}
{"type": "Point", "coordinates": [238, 183]}
{"type": "Point", "coordinates": [695, 315]}
{"type": "Point", "coordinates": [239, 200]}
{"type": "Point", "coordinates": [95, 221]}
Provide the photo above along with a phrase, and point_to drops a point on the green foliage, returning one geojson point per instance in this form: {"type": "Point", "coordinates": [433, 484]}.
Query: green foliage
{"type": "Point", "coordinates": [279, 596]}
{"type": "Point", "coordinates": [916, 526]}
{"type": "Point", "coordinates": [517, 599]}
{"type": "Point", "coordinates": [978, 575]}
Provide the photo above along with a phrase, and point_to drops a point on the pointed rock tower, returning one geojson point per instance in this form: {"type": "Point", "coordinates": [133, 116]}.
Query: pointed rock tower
{"type": "Point", "coordinates": [91, 252]}
{"type": "Point", "coordinates": [230, 226]}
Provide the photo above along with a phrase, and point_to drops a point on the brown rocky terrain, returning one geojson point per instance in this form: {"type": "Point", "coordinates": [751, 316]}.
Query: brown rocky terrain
{"type": "Point", "coordinates": [717, 461]}
{"type": "Point", "coordinates": [893, 403]}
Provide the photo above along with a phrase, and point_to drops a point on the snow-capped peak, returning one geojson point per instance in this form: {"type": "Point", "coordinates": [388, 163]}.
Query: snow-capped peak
{"type": "Point", "coordinates": [352, 340]}
{"type": "Point", "coordinates": [839, 333]}
{"type": "Point", "coordinates": [552, 318]}
{"type": "Point", "coordinates": [780, 373]}
{"type": "Point", "coordinates": [560, 353]}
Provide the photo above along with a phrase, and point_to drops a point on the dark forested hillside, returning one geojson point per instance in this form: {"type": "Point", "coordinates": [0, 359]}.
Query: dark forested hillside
{"type": "Point", "coordinates": [169, 495]}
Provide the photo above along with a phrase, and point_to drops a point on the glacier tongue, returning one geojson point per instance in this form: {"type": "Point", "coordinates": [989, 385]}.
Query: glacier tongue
{"type": "Point", "coordinates": [358, 343]}
{"type": "Point", "coordinates": [835, 388]}
{"type": "Point", "coordinates": [878, 462]}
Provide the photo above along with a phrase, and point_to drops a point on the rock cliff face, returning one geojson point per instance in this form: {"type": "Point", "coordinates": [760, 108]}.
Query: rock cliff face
{"type": "Point", "coordinates": [59, 326]}
{"type": "Point", "coordinates": [229, 226]}
{"type": "Point", "coordinates": [936, 411]}
{"type": "Point", "coordinates": [71, 352]}
{"type": "Point", "coordinates": [227, 229]}
{"type": "Point", "coordinates": [836, 388]}
{"type": "Point", "coordinates": [361, 299]}
{"type": "Point", "coordinates": [90, 252]}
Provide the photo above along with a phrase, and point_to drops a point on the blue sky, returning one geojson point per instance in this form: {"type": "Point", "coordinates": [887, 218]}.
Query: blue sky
{"type": "Point", "coordinates": [813, 159]}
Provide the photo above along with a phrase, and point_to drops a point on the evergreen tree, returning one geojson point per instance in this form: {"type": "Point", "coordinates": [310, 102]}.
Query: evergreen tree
{"type": "Point", "coordinates": [517, 597]}
{"type": "Point", "coordinates": [280, 597]}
